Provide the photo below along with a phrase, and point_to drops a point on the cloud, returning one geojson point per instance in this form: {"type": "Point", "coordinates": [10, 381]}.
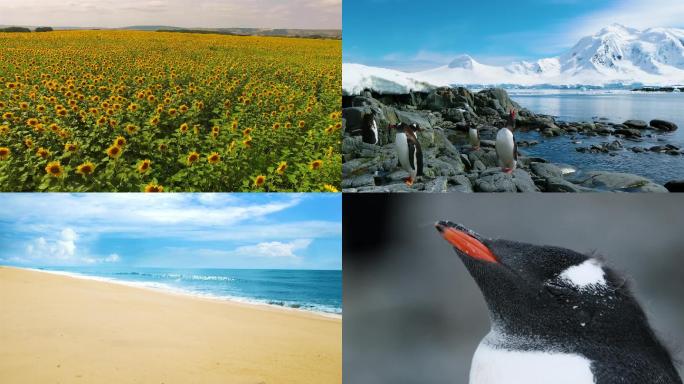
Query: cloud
{"type": "Point", "coordinates": [190, 230]}
{"type": "Point", "coordinates": [317, 14]}
{"type": "Point", "coordinates": [273, 249]}
{"type": "Point", "coordinates": [632, 13]}
{"type": "Point", "coordinates": [62, 250]}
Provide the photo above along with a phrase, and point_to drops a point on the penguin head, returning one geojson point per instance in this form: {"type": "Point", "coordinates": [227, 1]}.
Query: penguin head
{"type": "Point", "coordinates": [510, 123]}
{"type": "Point", "coordinates": [545, 292]}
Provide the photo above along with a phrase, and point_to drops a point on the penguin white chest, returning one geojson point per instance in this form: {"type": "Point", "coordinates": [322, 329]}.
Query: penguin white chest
{"type": "Point", "coordinates": [505, 146]}
{"type": "Point", "coordinates": [401, 144]}
{"type": "Point", "coordinates": [499, 366]}
{"type": "Point", "coordinates": [472, 135]}
{"type": "Point", "coordinates": [374, 128]}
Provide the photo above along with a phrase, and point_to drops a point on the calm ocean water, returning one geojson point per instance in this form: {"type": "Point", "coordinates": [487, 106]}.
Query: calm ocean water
{"type": "Point", "coordinates": [616, 106]}
{"type": "Point", "coordinates": [319, 291]}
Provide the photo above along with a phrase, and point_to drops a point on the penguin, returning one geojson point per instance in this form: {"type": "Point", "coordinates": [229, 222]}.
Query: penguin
{"type": "Point", "coordinates": [506, 147]}
{"type": "Point", "coordinates": [409, 151]}
{"type": "Point", "coordinates": [557, 316]}
{"type": "Point", "coordinates": [369, 129]}
{"type": "Point", "coordinates": [474, 137]}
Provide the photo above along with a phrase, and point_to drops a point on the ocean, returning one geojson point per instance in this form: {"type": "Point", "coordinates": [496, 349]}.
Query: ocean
{"type": "Point", "coordinates": [310, 290]}
{"type": "Point", "coordinates": [617, 106]}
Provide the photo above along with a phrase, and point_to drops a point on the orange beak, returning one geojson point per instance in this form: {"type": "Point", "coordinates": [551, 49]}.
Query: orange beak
{"type": "Point", "coordinates": [466, 243]}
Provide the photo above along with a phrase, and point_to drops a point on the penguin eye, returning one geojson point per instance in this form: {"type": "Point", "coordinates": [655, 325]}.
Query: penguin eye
{"type": "Point", "coordinates": [559, 291]}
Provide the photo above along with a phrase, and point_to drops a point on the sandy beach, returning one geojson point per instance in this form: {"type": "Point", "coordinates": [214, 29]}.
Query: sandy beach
{"type": "Point", "coordinates": [60, 329]}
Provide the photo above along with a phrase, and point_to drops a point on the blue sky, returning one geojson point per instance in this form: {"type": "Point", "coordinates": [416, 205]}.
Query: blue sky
{"type": "Point", "coordinates": [415, 35]}
{"type": "Point", "coordinates": [292, 231]}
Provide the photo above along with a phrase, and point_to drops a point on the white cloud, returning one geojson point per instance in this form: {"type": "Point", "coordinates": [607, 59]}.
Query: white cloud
{"type": "Point", "coordinates": [274, 249]}
{"type": "Point", "coordinates": [640, 14]}
{"type": "Point", "coordinates": [318, 14]}
{"type": "Point", "coordinates": [62, 250]}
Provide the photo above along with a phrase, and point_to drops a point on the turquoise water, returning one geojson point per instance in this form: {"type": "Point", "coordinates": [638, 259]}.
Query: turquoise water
{"type": "Point", "coordinates": [319, 291]}
{"type": "Point", "coordinates": [616, 106]}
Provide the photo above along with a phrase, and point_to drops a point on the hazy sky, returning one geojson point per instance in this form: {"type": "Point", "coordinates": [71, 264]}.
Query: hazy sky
{"type": "Point", "coordinates": [298, 231]}
{"type": "Point", "coordinates": [415, 35]}
{"type": "Point", "coordinates": [305, 14]}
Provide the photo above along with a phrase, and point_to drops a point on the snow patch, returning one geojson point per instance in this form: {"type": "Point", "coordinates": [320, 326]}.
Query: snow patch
{"type": "Point", "coordinates": [615, 55]}
{"type": "Point", "coordinates": [588, 273]}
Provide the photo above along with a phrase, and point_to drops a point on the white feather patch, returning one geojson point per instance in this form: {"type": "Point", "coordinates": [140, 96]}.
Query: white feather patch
{"type": "Point", "coordinates": [583, 275]}
{"type": "Point", "coordinates": [500, 366]}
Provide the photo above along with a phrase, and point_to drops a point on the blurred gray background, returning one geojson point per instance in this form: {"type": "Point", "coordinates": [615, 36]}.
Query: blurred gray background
{"type": "Point", "coordinates": [412, 313]}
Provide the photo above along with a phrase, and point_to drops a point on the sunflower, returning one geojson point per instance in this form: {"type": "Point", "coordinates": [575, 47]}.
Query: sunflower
{"type": "Point", "coordinates": [316, 164]}
{"type": "Point", "coordinates": [282, 166]}
{"type": "Point", "coordinates": [131, 129]}
{"type": "Point", "coordinates": [144, 166]}
{"type": "Point", "coordinates": [183, 108]}
{"type": "Point", "coordinates": [183, 128]}
{"type": "Point", "coordinates": [163, 147]}
{"type": "Point", "coordinates": [154, 120]}
{"type": "Point", "coordinates": [4, 129]}
{"type": "Point", "coordinates": [120, 141]}
{"type": "Point", "coordinates": [70, 147]}
{"type": "Point", "coordinates": [86, 168]}
{"type": "Point", "coordinates": [259, 180]}
{"type": "Point", "coordinates": [301, 124]}
{"type": "Point", "coordinates": [152, 187]}
{"type": "Point", "coordinates": [114, 151]}
{"type": "Point", "coordinates": [28, 142]}
{"type": "Point", "coordinates": [288, 125]}
{"type": "Point", "coordinates": [246, 132]}
{"type": "Point", "coordinates": [330, 188]}
{"type": "Point", "coordinates": [213, 158]}
{"type": "Point", "coordinates": [172, 112]}
{"type": "Point", "coordinates": [54, 169]}
{"type": "Point", "coordinates": [276, 125]}
{"type": "Point", "coordinates": [192, 157]}
{"type": "Point", "coordinates": [4, 153]}
{"type": "Point", "coordinates": [42, 153]}
{"type": "Point", "coordinates": [247, 142]}
{"type": "Point", "coordinates": [32, 122]}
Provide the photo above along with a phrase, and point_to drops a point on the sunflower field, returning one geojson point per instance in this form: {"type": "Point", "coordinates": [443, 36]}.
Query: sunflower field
{"type": "Point", "coordinates": [158, 112]}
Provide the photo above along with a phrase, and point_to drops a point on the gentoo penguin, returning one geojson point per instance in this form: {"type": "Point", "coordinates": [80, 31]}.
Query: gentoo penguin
{"type": "Point", "coordinates": [369, 128]}
{"type": "Point", "coordinates": [409, 151]}
{"type": "Point", "coordinates": [506, 148]}
{"type": "Point", "coordinates": [557, 316]}
{"type": "Point", "coordinates": [474, 137]}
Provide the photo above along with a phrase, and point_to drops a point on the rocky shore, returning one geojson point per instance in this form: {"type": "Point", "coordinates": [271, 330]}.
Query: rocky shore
{"type": "Point", "coordinates": [451, 165]}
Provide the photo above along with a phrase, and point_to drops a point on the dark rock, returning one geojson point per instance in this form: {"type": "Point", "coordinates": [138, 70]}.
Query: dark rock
{"type": "Point", "coordinates": [493, 180]}
{"type": "Point", "coordinates": [546, 170]}
{"type": "Point", "coordinates": [663, 125]}
{"type": "Point", "coordinates": [614, 181]}
{"type": "Point", "coordinates": [636, 124]}
{"type": "Point", "coordinates": [628, 132]}
{"type": "Point", "coordinates": [558, 184]}
{"type": "Point", "coordinates": [675, 185]}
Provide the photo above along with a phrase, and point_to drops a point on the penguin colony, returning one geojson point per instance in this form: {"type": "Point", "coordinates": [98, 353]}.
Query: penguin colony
{"type": "Point", "coordinates": [557, 316]}
{"type": "Point", "coordinates": [410, 153]}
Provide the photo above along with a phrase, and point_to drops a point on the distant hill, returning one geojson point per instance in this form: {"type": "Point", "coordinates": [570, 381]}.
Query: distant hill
{"type": "Point", "coordinates": [150, 27]}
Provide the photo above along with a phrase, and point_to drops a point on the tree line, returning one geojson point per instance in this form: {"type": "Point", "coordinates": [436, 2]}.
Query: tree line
{"type": "Point", "coordinates": [24, 29]}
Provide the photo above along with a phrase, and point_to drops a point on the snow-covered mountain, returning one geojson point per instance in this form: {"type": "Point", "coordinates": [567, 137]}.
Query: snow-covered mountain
{"type": "Point", "coordinates": [614, 55]}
